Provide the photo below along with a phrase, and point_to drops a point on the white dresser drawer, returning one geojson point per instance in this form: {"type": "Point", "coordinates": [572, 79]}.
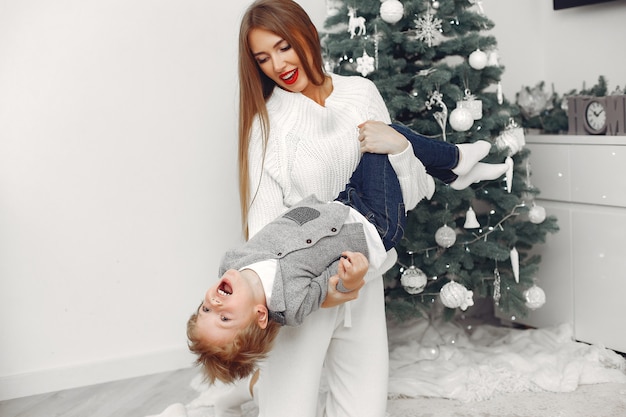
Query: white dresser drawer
{"type": "Point", "coordinates": [598, 174]}
{"type": "Point", "coordinates": [550, 171]}
{"type": "Point", "coordinates": [582, 181]}
{"type": "Point", "coordinates": [598, 265]}
{"type": "Point", "coordinates": [587, 173]}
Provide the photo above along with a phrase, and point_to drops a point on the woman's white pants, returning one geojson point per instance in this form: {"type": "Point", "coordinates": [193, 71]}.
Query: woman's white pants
{"type": "Point", "coordinates": [350, 343]}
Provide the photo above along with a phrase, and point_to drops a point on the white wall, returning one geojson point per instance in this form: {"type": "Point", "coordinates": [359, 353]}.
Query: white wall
{"type": "Point", "coordinates": [117, 183]}
{"type": "Point", "coordinates": [564, 48]}
{"type": "Point", "coordinates": [118, 167]}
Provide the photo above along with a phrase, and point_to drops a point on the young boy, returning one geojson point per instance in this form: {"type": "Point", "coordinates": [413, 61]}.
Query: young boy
{"type": "Point", "coordinates": [282, 273]}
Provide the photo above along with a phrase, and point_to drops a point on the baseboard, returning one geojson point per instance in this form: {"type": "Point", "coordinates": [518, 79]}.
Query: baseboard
{"type": "Point", "coordinates": [56, 379]}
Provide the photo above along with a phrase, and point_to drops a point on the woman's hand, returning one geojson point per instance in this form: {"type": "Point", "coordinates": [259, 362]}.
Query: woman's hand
{"type": "Point", "coordinates": [379, 137]}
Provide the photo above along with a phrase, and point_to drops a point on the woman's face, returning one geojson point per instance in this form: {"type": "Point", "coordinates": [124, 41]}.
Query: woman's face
{"type": "Point", "coordinates": [279, 61]}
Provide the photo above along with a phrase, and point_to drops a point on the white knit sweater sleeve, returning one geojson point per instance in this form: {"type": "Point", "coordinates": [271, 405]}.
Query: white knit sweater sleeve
{"type": "Point", "coordinates": [415, 183]}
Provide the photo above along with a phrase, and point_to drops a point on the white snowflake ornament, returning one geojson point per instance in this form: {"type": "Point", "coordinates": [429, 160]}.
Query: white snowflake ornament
{"type": "Point", "coordinates": [427, 27]}
{"type": "Point", "coordinates": [365, 64]}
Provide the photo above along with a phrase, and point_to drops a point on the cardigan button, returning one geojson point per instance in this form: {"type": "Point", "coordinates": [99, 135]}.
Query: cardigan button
{"type": "Point", "coordinates": [279, 254]}
{"type": "Point", "coordinates": [334, 229]}
{"type": "Point", "coordinates": [308, 241]}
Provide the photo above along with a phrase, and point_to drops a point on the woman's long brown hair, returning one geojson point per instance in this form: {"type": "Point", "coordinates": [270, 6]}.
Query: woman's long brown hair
{"type": "Point", "coordinates": [286, 19]}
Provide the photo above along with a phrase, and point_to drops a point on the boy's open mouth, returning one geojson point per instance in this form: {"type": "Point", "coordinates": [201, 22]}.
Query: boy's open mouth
{"type": "Point", "coordinates": [225, 288]}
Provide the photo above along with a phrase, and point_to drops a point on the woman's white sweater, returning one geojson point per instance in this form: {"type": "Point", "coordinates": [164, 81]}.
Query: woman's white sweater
{"type": "Point", "coordinates": [314, 149]}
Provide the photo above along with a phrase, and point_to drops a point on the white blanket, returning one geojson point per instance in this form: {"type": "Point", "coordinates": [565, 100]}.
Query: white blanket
{"type": "Point", "coordinates": [449, 361]}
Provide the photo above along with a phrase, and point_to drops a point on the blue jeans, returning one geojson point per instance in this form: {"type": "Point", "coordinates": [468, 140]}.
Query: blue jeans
{"type": "Point", "coordinates": [438, 156]}
{"type": "Point", "coordinates": [374, 190]}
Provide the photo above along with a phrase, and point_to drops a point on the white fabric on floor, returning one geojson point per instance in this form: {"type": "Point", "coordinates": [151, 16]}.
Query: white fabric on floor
{"type": "Point", "coordinates": [472, 365]}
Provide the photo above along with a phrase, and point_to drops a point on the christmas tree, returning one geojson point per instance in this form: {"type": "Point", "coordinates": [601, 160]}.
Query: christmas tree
{"type": "Point", "coordinates": [437, 69]}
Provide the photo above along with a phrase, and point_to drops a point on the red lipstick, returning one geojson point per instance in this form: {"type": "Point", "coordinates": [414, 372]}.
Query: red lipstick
{"type": "Point", "coordinates": [291, 77]}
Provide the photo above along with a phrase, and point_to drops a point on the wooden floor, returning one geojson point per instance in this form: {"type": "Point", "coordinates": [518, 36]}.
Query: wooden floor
{"type": "Point", "coordinates": [150, 395]}
{"type": "Point", "coordinates": [136, 397]}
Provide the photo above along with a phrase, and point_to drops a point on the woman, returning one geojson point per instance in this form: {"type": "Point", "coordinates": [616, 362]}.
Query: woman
{"type": "Point", "coordinates": [301, 132]}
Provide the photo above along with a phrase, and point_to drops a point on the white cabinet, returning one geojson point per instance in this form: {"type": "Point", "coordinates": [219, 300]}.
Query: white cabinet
{"type": "Point", "coordinates": [582, 180]}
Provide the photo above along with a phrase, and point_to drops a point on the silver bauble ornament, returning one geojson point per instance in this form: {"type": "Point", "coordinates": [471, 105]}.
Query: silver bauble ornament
{"type": "Point", "coordinates": [535, 297]}
{"type": "Point", "coordinates": [478, 59]}
{"type": "Point", "coordinates": [512, 140]}
{"type": "Point", "coordinates": [391, 11]}
{"type": "Point", "coordinates": [455, 295]}
{"type": "Point", "coordinates": [461, 119]}
{"type": "Point", "coordinates": [537, 214]}
{"type": "Point", "coordinates": [445, 236]}
{"type": "Point", "coordinates": [413, 280]}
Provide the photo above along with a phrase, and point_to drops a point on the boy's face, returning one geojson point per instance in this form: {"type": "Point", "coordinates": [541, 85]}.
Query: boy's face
{"type": "Point", "coordinates": [228, 307]}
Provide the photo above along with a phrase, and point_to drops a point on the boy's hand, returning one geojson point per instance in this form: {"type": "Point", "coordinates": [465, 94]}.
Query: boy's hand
{"type": "Point", "coordinates": [379, 137]}
{"type": "Point", "coordinates": [352, 268]}
{"type": "Point", "coordinates": [334, 297]}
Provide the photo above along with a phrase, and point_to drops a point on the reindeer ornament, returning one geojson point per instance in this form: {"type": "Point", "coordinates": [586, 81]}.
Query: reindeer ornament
{"type": "Point", "coordinates": [356, 24]}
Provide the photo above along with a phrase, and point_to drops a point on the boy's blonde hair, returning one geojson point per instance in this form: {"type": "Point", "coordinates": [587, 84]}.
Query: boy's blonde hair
{"type": "Point", "coordinates": [235, 360]}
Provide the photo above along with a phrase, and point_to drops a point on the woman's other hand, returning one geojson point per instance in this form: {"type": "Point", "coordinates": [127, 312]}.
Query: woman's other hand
{"type": "Point", "coordinates": [379, 137]}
